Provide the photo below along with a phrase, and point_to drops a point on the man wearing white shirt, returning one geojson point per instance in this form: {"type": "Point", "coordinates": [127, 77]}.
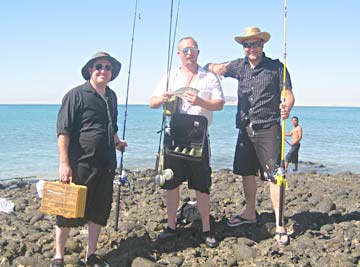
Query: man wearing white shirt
{"type": "Point", "coordinates": [209, 98]}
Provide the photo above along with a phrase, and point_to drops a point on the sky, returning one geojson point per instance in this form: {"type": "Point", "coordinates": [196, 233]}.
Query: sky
{"type": "Point", "coordinates": [46, 43]}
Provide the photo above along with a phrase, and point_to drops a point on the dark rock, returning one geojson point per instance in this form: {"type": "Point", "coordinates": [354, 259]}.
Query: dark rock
{"type": "Point", "coordinates": [323, 222]}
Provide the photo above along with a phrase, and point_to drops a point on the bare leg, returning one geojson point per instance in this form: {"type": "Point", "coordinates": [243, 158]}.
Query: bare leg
{"type": "Point", "coordinates": [203, 201]}
{"type": "Point", "coordinates": [275, 199]}
{"type": "Point", "coordinates": [93, 236]}
{"type": "Point", "coordinates": [286, 165]}
{"type": "Point", "coordinates": [172, 203]}
{"type": "Point", "coordinates": [250, 189]}
{"type": "Point", "coordinates": [61, 234]}
{"type": "Point", "coordinates": [296, 166]}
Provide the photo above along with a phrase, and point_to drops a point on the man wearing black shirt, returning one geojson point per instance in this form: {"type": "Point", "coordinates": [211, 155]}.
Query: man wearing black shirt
{"type": "Point", "coordinates": [258, 119]}
{"type": "Point", "coordinates": [87, 138]}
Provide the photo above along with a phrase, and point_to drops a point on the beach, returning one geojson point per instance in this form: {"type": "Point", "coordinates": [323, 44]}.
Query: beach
{"type": "Point", "coordinates": [322, 217]}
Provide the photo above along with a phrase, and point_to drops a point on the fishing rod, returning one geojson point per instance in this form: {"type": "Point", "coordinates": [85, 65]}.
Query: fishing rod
{"type": "Point", "coordinates": [122, 176]}
{"type": "Point", "coordinates": [288, 142]}
{"type": "Point", "coordinates": [18, 178]}
{"type": "Point", "coordinates": [171, 45]}
{"type": "Point", "coordinates": [280, 177]}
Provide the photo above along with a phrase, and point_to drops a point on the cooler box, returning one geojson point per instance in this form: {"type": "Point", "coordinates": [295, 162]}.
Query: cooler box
{"type": "Point", "coordinates": [67, 200]}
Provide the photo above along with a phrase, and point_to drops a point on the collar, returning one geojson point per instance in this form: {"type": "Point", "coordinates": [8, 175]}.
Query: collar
{"type": "Point", "coordinates": [89, 88]}
{"type": "Point", "coordinates": [263, 60]}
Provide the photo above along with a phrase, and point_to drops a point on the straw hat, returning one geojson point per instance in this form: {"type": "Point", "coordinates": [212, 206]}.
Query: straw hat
{"type": "Point", "coordinates": [252, 32]}
{"type": "Point", "coordinates": [116, 65]}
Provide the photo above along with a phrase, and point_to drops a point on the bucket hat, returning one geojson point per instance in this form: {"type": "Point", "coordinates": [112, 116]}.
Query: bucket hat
{"type": "Point", "coordinates": [252, 32]}
{"type": "Point", "coordinates": [116, 65]}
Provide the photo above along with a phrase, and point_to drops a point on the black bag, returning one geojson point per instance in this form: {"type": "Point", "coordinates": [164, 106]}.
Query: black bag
{"type": "Point", "coordinates": [188, 213]}
{"type": "Point", "coordinates": [186, 136]}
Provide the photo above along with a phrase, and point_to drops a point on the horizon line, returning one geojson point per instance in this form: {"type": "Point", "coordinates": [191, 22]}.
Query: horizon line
{"type": "Point", "coordinates": [145, 104]}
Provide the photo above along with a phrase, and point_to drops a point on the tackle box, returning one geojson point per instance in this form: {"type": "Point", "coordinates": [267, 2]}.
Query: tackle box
{"type": "Point", "coordinates": [67, 200]}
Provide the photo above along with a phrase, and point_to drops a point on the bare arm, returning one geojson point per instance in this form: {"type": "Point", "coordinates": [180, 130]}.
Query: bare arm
{"type": "Point", "coordinates": [211, 104]}
{"type": "Point", "coordinates": [64, 165]}
{"type": "Point", "coordinates": [289, 134]}
{"type": "Point", "coordinates": [157, 101]}
{"type": "Point", "coordinates": [286, 107]}
{"type": "Point", "coordinates": [219, 69]}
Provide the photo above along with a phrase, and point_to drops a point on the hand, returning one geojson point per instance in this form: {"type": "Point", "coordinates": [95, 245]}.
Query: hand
{"type": "Point", "coordinates": [219, 69]}
{"type": "Point", "coordinates": [191, 97]}
{"type": "Point", "coordinates": [165, 97]}
{"type": "Point", "coordinates": [284, 111]}
{"type": "Point", "coordinates": [120, 145]}
{"type": "Point", "coordinates": [65, 172]}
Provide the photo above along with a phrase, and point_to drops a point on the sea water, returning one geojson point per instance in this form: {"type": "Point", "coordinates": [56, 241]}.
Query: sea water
{"type": "Point", "coordinates": [28, 141]}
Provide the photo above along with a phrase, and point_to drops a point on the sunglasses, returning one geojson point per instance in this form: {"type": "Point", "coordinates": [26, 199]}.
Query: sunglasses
{"type": "Point", "coordinates": [252, 45]}
{"type": "Point", "coordinates": [186, 50]}
{"type": "Point", "coordinates": [103, 67]}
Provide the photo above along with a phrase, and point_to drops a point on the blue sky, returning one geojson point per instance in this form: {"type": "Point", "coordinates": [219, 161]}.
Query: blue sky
{"type": "Point", "coordinates": [45, 44]}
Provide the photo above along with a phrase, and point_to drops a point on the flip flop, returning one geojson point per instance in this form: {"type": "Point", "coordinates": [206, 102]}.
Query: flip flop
{"type": "Point", "coordinates": [240, 220]}
{"type": "Point", "coordinates": [279, 235]}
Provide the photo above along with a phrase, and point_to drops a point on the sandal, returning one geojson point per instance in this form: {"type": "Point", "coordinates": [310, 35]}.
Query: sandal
{"type": "Point", "coordinates": [209, 239]}
{"type": "Point", "coordinates": [240, 220]}
{"type": "Point", "coordinates": [168, 233]}
{"type": "Point", "coordinates": [57, 263]}
{"type": "Point", "coordinates": [96, 261]}
{"type": "Point", "coordinates": [278, 238]}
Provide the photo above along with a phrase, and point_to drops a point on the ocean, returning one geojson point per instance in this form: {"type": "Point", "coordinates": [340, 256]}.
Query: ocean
{"type": "Point", "coordinates": [28, 139]}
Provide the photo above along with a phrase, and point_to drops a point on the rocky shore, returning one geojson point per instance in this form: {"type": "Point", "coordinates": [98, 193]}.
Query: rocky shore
{"type": "Point", "coordinates": [322, 215]}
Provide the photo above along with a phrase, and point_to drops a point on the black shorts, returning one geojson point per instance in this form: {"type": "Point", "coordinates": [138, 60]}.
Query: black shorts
{"type": "Point", "coordinates": [99, 196]}
{"type": "Point", "coordinates": [257, 150]}
{"type": "Point", "coordinates": [197, 173]}
{"type": "Point", "coordinates": [293, 154]}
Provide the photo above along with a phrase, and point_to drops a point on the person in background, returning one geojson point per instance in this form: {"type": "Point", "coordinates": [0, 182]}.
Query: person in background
{"type": "Point", "coordinates": [259, 110]}
{"type": "Point", "coordinates": [198, 174]}
{"type": "Point", "coordinates": [293, 154]}
{"type": "Point", "coordinates": [87, 138]}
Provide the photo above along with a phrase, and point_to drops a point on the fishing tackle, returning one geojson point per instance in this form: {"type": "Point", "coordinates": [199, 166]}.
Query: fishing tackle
{"type": "Point", "coordinates": [167, 174]}
{"type": "Point", "coordinates": [122, 176]}
{"type": "Point", "coordinates": [280, 175]}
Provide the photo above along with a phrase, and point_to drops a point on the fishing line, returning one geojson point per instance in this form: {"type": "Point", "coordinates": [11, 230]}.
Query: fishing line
{"type": "Point", "coordinates": [122, 176]}
{"type": "Point", "coordinates": [171, 45]}
{"type": "Point", "coordinates": [281, 181]}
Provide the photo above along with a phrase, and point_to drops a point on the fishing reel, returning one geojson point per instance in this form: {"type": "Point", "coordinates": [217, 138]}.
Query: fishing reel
{"type": "Point", "coordinates": [164, 176]}
{"type": "Point", "coordinates": [276, 176]}
{"type": "Point", "coordinates": [123, 179]}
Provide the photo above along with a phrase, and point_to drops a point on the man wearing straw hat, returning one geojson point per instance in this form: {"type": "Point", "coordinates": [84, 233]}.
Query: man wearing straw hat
{"type": "Point", "coordinates": [87, 138]}
{"type": "Point", "coordinates": [259, 110]}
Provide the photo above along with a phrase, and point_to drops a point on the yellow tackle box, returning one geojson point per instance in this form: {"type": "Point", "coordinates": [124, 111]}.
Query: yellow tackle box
{"type": "Point", "coordinates": [67, 200]}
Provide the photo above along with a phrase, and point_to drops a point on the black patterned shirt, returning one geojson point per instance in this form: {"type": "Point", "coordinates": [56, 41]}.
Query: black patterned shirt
{"type": "Point", "coordinates": [259, 91]}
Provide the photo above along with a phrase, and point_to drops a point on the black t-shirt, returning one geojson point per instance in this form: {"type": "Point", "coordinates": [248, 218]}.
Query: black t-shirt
{"type": "Point", "coordinates": [90, 120]}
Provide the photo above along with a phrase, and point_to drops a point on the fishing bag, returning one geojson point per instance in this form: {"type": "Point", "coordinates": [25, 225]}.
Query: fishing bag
{"type": "Point", "coordinates": [188, 213]}
{"type": "Point", "coordinates": [186, 137]}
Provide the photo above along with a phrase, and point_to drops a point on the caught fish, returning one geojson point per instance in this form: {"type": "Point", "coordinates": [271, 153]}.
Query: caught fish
{"type": "Point", "coordinates": [181, 91]}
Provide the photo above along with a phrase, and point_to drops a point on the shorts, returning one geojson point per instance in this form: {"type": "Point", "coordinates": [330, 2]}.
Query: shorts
{"type": "Point", "coordinates": [293, 154]}
{"type": "Point", "coordinates": [99, 196]}
{"type": "Point", "coordinates": [257, 150]}
{"type": "Point", "coordinates": [197, 173]}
